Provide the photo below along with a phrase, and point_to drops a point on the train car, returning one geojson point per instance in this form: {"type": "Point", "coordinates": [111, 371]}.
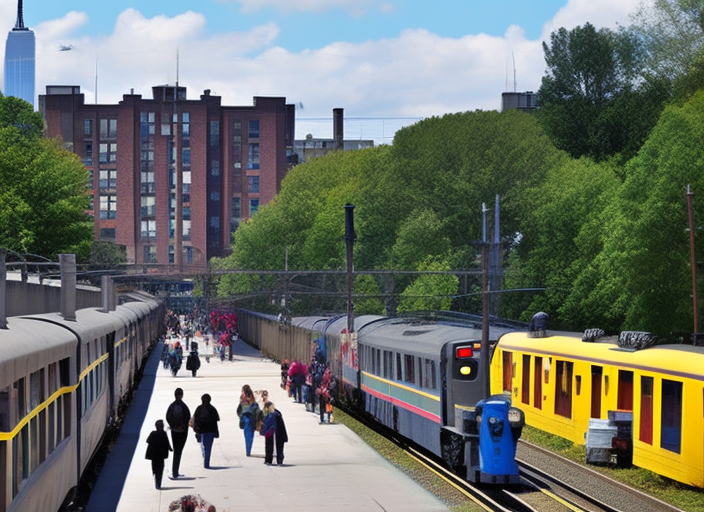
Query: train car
{"type": "Point", "coordinates": [562, 382]}
{"type": "Point", "coordinates": [420, 376]}
{"type": "Point", "coordinates": [61, 383]}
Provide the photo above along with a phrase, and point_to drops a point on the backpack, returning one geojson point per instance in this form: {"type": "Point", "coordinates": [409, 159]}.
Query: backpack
{"type": "Point", "coordinates": [178, 415]}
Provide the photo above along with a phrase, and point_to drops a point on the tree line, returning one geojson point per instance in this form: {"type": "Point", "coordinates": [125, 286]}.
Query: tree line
{"type": "Point", "coordinates": [592, 187]}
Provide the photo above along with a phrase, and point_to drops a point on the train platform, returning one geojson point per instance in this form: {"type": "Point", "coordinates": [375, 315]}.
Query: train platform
{"type": "Point", "coordinates": [326, 466]}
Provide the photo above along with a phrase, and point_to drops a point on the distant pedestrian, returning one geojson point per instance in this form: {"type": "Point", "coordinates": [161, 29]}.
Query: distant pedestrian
{"type": "Point", "coordinates": [274, 432]}
{"type": "Point", "coordinates": [284, 372]}
{"type": "Point", "coordinates": [193, 360]}
{"type": "Point", "coordinates": [158, 448]}
{"type": "Point", "coordinates": [250, 414]}
{"type": "Point", "coordinates": [205, 424]}
{"type": "Point", "coordinates": [177, 416]}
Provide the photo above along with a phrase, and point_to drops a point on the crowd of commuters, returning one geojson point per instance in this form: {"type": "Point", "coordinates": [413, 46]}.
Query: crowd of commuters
{"type": "Point", "coordinates": [313, 385]}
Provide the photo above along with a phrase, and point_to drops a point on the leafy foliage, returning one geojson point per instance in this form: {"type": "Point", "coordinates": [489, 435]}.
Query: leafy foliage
{"type": "Point", "coordinates": [43, 188]}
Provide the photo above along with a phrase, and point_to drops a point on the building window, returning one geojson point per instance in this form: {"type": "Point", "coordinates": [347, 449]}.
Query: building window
{"type": "Point", "coordinates": [108, 179]}
{"type": "Point", "coordinates": [149, 254]}
{"type": "Point", "coordinates": [88, 159]}
{"type": "Point", "coordinates": [108, 152]}
{"type": "Point", "coordinates": [214, 133]}
{"type": "Point", "coordinates": [107, 233]}
{"type": "Point", "coordinates": [253, 159]}
{"type": "Point", "coordinates": [148, 229]}
{"type": "Point", "coordinates": [215, 222]}
{"type": "Point", "coordinates": [215, 168]}
{"type": "Point", "coordinates": [108, 128]}
{"type": "Point", "coordinates": [148, 207]}
{"type": "Point", "coordinates": [87, 127]}
{"type": "Point", "coordinates": [253, 184]}
{"type": "Point", "coordinates": [253, 206]}
{"type": "Point", "coordinates": [236, 214]}
{"type": "Point", "coordinates": [108, 207]}
{"type": "Point", "coordinates": [215, 196]}
{"type": "Point", "coordinates": [254, 129]}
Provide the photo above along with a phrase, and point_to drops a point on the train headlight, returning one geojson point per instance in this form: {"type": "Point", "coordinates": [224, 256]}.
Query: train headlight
{"type": "Point", "coordinates": [516, 417]}
{"type": "Point", "coordinates": [465, 370]}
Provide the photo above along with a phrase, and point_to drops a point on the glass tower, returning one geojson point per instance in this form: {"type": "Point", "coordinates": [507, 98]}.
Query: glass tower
{"type": "Point", "coordinates": [19, 61]}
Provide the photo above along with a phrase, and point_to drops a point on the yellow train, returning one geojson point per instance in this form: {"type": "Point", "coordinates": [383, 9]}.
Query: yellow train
{"type": "Point", "coordinates": [561, 382]}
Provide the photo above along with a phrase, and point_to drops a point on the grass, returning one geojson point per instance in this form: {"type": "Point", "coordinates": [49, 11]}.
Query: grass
{"type": "Point", "coordinates": [681, 496]}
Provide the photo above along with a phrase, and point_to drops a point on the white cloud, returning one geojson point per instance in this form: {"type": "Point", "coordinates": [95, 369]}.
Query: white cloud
{"type": "Point", "coordinates": [416, 74]}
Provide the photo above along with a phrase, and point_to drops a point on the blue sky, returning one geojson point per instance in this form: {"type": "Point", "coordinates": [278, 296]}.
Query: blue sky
{"type": "Point", "coordinates": [386, 62]}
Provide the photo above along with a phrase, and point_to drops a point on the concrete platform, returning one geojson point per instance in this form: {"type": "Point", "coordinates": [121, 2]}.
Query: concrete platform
{"type": "Point", "coordinates": [326, 467]}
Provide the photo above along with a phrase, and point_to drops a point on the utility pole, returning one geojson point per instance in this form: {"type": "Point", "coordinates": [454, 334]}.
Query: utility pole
{"type": "Point", "coordinates": [693, 259]}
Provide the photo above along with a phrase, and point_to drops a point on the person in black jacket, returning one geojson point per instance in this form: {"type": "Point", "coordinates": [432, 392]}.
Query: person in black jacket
{"type": "Point", "coordinates": [205, 424]}
{"type": "Point", "coordinates": [158, 448]}
{"type": "Point", "coordinates": [177, 416]}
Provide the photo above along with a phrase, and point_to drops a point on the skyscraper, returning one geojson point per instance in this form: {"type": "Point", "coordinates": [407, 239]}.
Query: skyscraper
{"type": "Point", "coordinates": [19, 60]}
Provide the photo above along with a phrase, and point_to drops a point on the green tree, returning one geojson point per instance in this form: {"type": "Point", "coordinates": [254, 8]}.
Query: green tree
{"type": "Point", "coordinates": [430, 292]}
{"type": "Point", "coordinates": [593, 99]}
{"type": "Point", "coordinates": [369, 302]}
{"type": "Point", "coordinates": [641, 280]}
{"type": "Point", "coordinates": [43, 189]}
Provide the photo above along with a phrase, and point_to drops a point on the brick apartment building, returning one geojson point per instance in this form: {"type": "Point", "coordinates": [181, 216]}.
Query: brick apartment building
{"type": "Point", "coordinates": [172, 178]}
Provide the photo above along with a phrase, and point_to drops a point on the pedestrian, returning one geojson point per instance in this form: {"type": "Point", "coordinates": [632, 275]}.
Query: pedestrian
{"type": "Point", "coordinates": [205, 424]}
{"type": "Point", "coordinates": [274, 432]}
{"type": "Point", "coordinates": [284, 372]}
{"type": "Point", "coordinates": [158, 448]}
{"type": "Point", "coordinates": [177, 416]}
{"type": "Point", "coordinates": [250, 414]}
{"type": "Point", "coordinates": [193, 360]}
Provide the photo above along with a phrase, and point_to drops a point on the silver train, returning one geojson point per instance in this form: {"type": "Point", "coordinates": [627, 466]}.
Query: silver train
{"type": "Point", "coordinates": [61, 386]}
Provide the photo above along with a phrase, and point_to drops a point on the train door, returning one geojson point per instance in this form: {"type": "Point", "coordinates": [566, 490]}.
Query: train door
{"type": "Point", "coordinates": [525, 380]}
{"type": "Point", "coordinates": [538, 384]}
{"type": "Point", "coordinates": [597, 372]}
{"type": "Point", "coordinates": [645, 432]}
{"type": "Point", "coordinates": [507, 371]}
{"type": "Point", "coordinates": [110, 342]}
{"type": "Point", "coordinates": [563, 388]}
{"type": "Point", "coordinates": [625, 391]}
{"type": "Point", "coordinates": [4, 427]}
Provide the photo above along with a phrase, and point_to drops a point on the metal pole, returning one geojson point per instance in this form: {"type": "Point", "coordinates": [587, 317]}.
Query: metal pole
{"type": "Point", "coordinates": [349, 242]}
{"type": "Point", "coordinates": [484, 353]}
{"type": "Point", "coordinates": [693, 259]}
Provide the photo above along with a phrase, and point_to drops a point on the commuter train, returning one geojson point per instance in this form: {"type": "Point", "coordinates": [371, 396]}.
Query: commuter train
{"type": "Point", "coordinates": [562, 382]}
{"type": "Point", "coordinates": [61, 386]}
{"type": "Point", "coordinates": [418, 376]}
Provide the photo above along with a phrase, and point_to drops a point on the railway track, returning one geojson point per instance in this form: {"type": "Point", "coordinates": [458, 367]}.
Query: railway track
{"type": "Point", "coordinates": [549, 483]}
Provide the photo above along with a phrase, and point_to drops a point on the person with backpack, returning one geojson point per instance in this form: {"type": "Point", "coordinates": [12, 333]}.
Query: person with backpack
{"type": "Point", "coordinates": [178, 416]}
{"type": "Point", "coordinates": [205, 424]}
{"type": "Point", "coordinates": [274, 431]}
{"type": "Point", "coordinates": [158, 448]}
{"type": "Point", "coordinates": [250, 415]}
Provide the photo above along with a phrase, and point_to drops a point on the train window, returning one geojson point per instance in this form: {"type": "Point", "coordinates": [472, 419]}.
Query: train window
{"type": "Point", "coordinates": [625, 390]}
{"type": "Point", "coordinates": [410, 362]}
{"type": "Point", "coordinates": [430, 376]}
{"type": "Point", "coordinates": [525, 380]}
{"type": "Point", "coordinates": [671, 420]}
{"type": "Point", "coordinates": [578, 385]}
{"type": "Point", "coordinates": [63, 419]}
{"type": "Point", "coordinates": [507, 370]}
{"type": "Point", "coordinates": [420, 371]}
{"type": "Point", "coordinates": [646, 410]}
{"type": "Point", "coordinates": [4, 427]}
{"type": "Point", "coordinates": [563, 388]}
{"type": "Point", "coordinates": [596, 391]}
{"type": "Point", "coordinates": [388, 364]}
{"type": "Point", "coordinates": [377, 366]}
{"type": "Point", "coordinates": [538, 384]}
{"type": "Point", "coordinates": [399, 367]}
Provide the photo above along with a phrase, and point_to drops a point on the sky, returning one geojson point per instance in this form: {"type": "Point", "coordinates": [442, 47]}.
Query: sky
{"type": "Point", "coordinates": [387, 63]}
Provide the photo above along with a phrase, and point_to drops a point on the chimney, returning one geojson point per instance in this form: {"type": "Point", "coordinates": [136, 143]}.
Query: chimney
{"type": "Point", "coordinates": [107, 287]}
{"type": "Point", "coordinates": [338, 128]}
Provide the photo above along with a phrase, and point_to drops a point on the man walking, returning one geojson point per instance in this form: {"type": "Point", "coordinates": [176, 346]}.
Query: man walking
{"type": "Point", "coordinates": [178, 416]}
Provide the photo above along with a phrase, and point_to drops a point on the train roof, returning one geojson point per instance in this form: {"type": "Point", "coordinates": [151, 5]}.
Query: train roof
{"type": "Point", "coordinates": [313, 323]}
{"type": "Point", "coordinates": [418, 335]}
{"type": "Point", "coordinates": [673, 359]}
{"type": "Point", "coordinates": [27, 345]}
